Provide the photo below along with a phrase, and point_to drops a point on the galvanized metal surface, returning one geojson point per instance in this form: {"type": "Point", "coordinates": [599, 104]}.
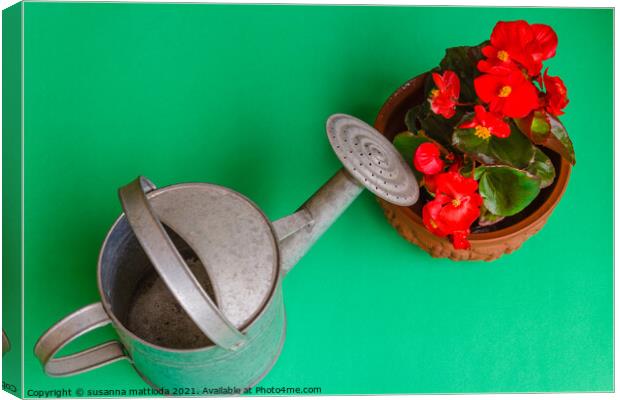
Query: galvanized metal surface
{"type": "Point", "coordinates": [324, 207]}
{"type": "Point", "coordinates": [156, 316]}
{"type": "Point", "coordinates": [173, 270]}
{"type": "Point", "coordinates": [213, 366]}
{"type": "Point", "coordinates": [73, 326]}
{"type": "Point", "coordinates": [180, 326]}
{"type": "Point", "coordinates": [372, 160]}
{"type": "Point", "coordinates": [291, 224]}
{"type": "Point", "coordinates": [231, 236]}
{"type": "Point", "coordinates": [123, 267]}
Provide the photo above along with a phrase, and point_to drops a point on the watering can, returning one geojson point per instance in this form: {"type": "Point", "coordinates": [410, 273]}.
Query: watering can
{"type": "Point", "coordinates": [190, 274]}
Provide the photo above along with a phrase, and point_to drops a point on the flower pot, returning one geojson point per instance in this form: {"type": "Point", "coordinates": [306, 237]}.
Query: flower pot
{"type": "Point", "coordinates": [487, 243]}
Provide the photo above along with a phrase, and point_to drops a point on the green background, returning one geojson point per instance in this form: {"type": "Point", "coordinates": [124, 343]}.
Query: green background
{"type": "Point", "coordinates": [238, 95]}
{"type": "Point", "coordinates": [11, 197]}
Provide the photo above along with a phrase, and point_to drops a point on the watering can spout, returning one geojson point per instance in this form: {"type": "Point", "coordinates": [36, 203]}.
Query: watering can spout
{"type": "Point", "coordinates": [299, 231]}
{"type": "Point", "coordinates": [370, 161]}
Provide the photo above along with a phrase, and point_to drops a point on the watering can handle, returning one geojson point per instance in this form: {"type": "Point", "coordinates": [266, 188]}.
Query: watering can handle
{"type": "Point", "coordinates": [172, 268]}
{"type": "Point", "coordinates": [6, 344]}
{"type": "Point", "coordinates": [71, 327]}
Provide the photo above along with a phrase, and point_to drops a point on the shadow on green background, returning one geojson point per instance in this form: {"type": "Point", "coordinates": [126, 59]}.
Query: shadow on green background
{"type": "Point", "coordinates": [238, 95]}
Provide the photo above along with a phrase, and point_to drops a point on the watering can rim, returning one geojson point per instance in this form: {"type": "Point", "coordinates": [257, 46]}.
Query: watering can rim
{"type": "Point", "coordinates": [261, 309]}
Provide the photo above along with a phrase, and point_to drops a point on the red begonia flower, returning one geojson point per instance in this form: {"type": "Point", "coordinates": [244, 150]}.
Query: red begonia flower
{"type": "Point", "coordinates": [459, 240]}
{"type": "Point", "coordinates": [510, 95]}
{"type": "Point", "coordinates": [455, 207]}
{"type": "Point", "coordinates": [427, 159]}
{"type": "Point", "coordinates": [556, 97]}
{"type": "Point", "coordinates": [429, 183]}
{"type": "Point", "coordinates": [443, 99]}
{"type": "Point", "coordinates": [461, 200]}
{"type": "Point", "coordinates": [494, 64]}
{"type": "Point", "coordinates": [430, 180]}
{"type": "Point", "coordinates": [486, 124]}
{"type": "Point", "coordinates": [456, 165]}
{"type": "Point", "coordinates": [432, 218]}
{"type": "Point", "coordinates": [544, 44]}
{"type": "Point", "coordinates": [509, 41]}
{"type": "Point", "coordinates": [517, 42]}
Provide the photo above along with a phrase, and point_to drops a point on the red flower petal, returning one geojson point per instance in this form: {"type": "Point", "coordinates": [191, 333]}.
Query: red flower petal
{"type": "Point", "coordinates": [461, 212]}
{"type": "Point", "coordinates": [427, 159]}
{"type": "Point", "coordinates": [453, 84]}
{"type": "Point", "coordinates": [468, 124]}
{"type": "Point", "coordinates": [496, 67]}
{"type": "Point", "coordinates": [556, 98]}
{"type": "Point", "coordinates": [438, 80]}
{"type": "Point", "coordinates": [430, 213]}
{"type": "Point", "coordinates": [509, 95]}
{"type": "Point", "coordinates": [517, 41]}
{"type": "Point", "coordinates": [443, 105]}
{"type": "Point", "coordinates": [455, 207]}
{"type": "Point", "coordinates": [429, 183]}
{"type": "Point", "coordinates": [443, 99]}
{"type": "Point", "coordinates": [456, 165]}
{"type": "Point", "coordinates": [501, 130]}
{"type": "Point", "coordinates": [522, 100]}
{"type": "Point", "coordinates": [459, 240]}
{"type": "Point", "coordinates": [494, 124]}
{"type": "Point", "coordinates": [546, 41]}
{"type": "Point", "coordinates": [489, 51]}
{"type": "Point", "coordinates": [511, 35]}
{"type": "Point", "coordinates": [480, 111]}
{"type": "Point", "coordinates": [453, 184]}
{"type": "Point", "coordinates": [486, 87]}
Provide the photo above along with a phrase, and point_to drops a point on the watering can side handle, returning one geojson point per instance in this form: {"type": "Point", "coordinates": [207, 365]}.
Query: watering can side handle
{"type": "Point", "coordinates": [6, 344]}
{"type": "Point", "coordinates": [68, 329]}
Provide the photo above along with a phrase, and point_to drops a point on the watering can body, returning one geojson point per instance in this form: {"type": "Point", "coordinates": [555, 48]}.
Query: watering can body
{"type": "Point", "coordinates": [211, 370]}
{"type": "Point", "coordinates": [199, 368]}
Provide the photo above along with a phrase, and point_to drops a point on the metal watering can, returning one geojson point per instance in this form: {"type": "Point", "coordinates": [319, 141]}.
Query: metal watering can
{"type": "Point", "coordinates": [190, 274]}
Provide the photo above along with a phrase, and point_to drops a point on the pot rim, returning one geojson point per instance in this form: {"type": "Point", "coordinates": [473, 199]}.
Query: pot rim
{"type": "Point", "coordinates": [559, 186]}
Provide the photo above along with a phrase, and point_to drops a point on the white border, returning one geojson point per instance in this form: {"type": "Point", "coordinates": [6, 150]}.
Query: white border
{"type": "Point", "coordinates": [485, 3]}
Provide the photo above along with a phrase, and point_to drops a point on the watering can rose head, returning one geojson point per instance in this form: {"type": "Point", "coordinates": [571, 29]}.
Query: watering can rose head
{"type": "Point", "coordinates": [481, 141]}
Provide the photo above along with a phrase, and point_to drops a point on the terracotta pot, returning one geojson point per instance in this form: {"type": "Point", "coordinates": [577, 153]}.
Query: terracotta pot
{"type": "Point", "coordinates": [507, 236]}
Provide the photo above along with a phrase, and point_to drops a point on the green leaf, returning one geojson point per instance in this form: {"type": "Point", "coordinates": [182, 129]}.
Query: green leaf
{"type": "Point", "coordinates": [467, 168]}
{"type": "Point", "coordinates": [539, 127]}
{"type": "Point", "coordinates": [413, 116]}
{"type": "Point", "coordinates": [558, 131]}
{"type": "Point", "coordinates": [515, 150]}
{"type": "Point", "coordinates": [435, 126]}
{"type": "Point", "coordinates": [487, 218]}
{"type": "Point", "coordinates": [407, 143]}
{"type": "Point", "coordinates": [542, 167]}
{"type": "Point", "coordinates": [505, 190]}
{"type": "Point", "coordinates": [440, 129]}
{"type": "Point", "coordinates": [547, 130]}
{"type": "Point", "coordinates": [463, 60]}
